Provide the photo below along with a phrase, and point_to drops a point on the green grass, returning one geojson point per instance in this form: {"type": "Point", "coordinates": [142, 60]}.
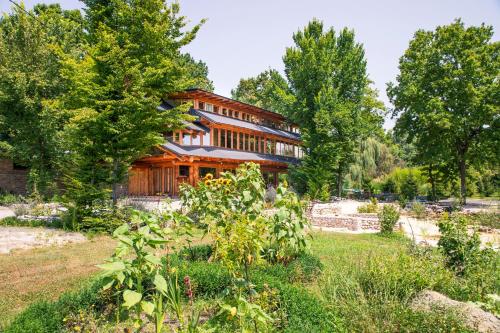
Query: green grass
{"type": "Point", "coordinates": [369, 280]}
{"type": "Point", "coordinates": [366, 284]}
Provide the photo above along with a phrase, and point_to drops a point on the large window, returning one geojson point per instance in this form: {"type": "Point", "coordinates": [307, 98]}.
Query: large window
{"type": "Point", "coordinates": [204, 171]}
{"type": "Point", "coordinates": [209, 107]}
{"type": "Point", "coordinates": [223, 138]}
{"type": "Point", "coordinates": [247, 142]}
{"type": "Point", "coordinates": [195, 140]}
{"type": "Point", "coordinates": [215, 137]}
{"type": "Point", "coordinates": [241, 147]}
{"type": "Point", "coordinates": [229, 139]}
{"type": "Point", "coordinates": [186, 139]}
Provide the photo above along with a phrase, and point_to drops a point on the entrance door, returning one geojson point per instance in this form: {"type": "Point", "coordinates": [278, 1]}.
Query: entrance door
{"type": "Point", "coordinates": [162, 181]}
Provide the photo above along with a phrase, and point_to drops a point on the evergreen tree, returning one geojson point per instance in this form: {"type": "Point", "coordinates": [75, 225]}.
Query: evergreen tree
{"type": "Point", "coordinates": [132, 61]}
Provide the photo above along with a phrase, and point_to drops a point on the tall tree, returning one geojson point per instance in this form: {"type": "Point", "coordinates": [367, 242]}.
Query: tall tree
{"type": "Point", "coordinates": [30, 75]}
{"type": "Point", "coordinates": [333, 103]}
{"type": "Point", "coordinates": [133, 61]}
{"type": "Point", "coordinates": [268, 90]}
{"type": "Point", "coordinates": [197, 71]}
{"type": "Point", "coordinates": [448, 95]}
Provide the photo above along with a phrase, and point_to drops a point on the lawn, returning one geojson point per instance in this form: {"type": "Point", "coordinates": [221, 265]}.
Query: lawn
{"type": "Point", "coordinates": [45, 273]}
{"type": "Point", "coordinates": [368, 280]}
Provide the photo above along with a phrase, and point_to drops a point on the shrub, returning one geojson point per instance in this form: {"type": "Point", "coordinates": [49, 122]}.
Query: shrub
{"type": "Point", "coordinates": [388, 218]}
{"type": "Point", "coordinates": [418, 210]}
{"type": "Point", "coordinates": [463, 249]}
{"type": "Point", "coordinates": [7, 199]}
{"type": "Point", "coordinates": [486, 219]}
{"type": "Point", "coordinates": [370, 208]}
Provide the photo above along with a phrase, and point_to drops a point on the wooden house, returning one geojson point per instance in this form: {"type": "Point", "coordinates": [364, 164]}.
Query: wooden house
{"type": "Point", "coordinates": [224, 134]}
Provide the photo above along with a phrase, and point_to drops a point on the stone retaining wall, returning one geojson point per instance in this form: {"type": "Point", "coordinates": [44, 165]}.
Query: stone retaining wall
{"type": "Point", "coordinates": [352, 223]}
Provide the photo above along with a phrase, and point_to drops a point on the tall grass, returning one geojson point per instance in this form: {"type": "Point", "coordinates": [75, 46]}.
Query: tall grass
{"type": "Point", "coordinates": [370, 280]}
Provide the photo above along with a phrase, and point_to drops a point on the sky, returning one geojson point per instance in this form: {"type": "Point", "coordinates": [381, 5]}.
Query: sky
{"type": "Point", "coordinates": [243, 38]}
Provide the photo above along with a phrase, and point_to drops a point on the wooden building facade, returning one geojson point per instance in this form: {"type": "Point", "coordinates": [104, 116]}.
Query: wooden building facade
{"type": "Point", "coordinates": [223, 134]}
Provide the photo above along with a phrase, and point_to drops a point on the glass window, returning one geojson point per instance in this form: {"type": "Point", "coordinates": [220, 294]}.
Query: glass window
{"type": "Point", "coordinates": [236, 114]}
{"type": "Point", "coordinates": [229, 140]}
{"type": "Point", "coordinates": [204, 171]}
{"type": "Point", "coordinates": [224, 112]}
{"type": "Point", "coordinates": [215, 138]}
{"type": "Point", "coordinates": [216, 109]}
{"type": "Point", "coordinates": [235, 140]}
{"type": "Point", "coordinates": [206, 139]}
{"type": "Point", "coordinates": [230, 113]}
{"type": "Point", "coordinates": [241, 142]}
{"type": "Point", "coordinates": [247, 142]}
{"type": "Point", "coordinates": [184, 170]}
{"type": "Point", "coordinates": [262, 145]}
{"type": "Point", "coordinates": [201, 105]}
{"type": "Point", "coordinates": [209, 107]}
{"type": "Point", "coordinates": [196, 140]}
{"type": "Point", "coordinates": [223, 138]}
{"type": "Point", "coordinates": [252, 143]}
{"type": "Point", "coordinates": [177, 137]}
{"type": "Point", "coordinates": [186, 138]}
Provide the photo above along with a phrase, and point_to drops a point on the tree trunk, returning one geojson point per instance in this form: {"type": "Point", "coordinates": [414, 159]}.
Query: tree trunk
{"type": "Point", "coordinates": [339, 182]}
{"type": "Point", "coordinates": [463, 186]}
{"type": "Point", "coordinates": [115, 182]}
{"type": "Point", "coordinates": [433, 183]}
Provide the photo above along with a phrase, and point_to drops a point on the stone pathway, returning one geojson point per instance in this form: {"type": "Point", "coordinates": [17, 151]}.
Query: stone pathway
{"type": "Point", "coordinates": [26, 238]}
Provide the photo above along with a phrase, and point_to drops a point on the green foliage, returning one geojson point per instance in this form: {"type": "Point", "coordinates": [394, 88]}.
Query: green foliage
{"type": "Point", "coordinates": [332, 99]}
{"type": "Point", "coordinates": [418, 210]}
{"type": "Point", "coordinates": [116, 84]}
{"type": "Point", "coordinates": [446, 99]}
{"type": "Point", "coordinates": [7, 199]}
{"type": "Point", "coordinates": [487, 219]}
{"type": "Point", "coordinates": [138, 279]}
{"type": "Point", "coordinates": [287, 235]}
{"type": "Point", "coordinates": [48, 317]}
{"type": "Point", "coordinates": [12, 221]}
{"type": "Point", "coordinates": [30, 74]}
{"type": "Point", "coordinates": [388, 217]}
{"type": "Point", "coordinates": [369, 208]}
{"type": "Point", "coordinates": [268, 90]}
{"type": "Point", "coordinates": [463, 252]}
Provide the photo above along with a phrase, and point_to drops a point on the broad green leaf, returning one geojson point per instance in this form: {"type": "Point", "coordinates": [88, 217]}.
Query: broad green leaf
{"type": "Point", "coordinates": [131, 298]}
{"type": "Point", "coordinates": [152, 259]}
{"type": "Point", "coordinates": [160, 283]}
{"type": "Point", "coordinates": [121, 230]}
{"type": "Point", "coordinates": [147, 307]}
{"type": "Point", "coordinates": [112, 266]}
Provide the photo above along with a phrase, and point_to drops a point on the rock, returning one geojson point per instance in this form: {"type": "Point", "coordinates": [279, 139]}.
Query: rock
{"type": "Point", "coordinates": [472, 315]}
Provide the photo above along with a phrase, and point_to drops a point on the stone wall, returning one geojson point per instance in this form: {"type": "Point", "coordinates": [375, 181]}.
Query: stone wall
{"type": "Point", "coordinates": [12, 180]}
{"type": "Point", "coordinates": [352, 223]}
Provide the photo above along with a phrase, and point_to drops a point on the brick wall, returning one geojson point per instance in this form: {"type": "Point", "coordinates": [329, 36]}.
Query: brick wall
{"type": "Point", "coordinates": [12, 180]}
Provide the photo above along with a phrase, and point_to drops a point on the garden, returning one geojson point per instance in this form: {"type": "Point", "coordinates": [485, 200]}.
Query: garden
{"type": "Point", "coordinates": [231, 261]}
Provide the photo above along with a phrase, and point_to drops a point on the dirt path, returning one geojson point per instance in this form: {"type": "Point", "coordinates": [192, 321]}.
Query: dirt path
{"type": "Point", "coordinates": [25, 238]}
{"type": "Point", "coordinates": [6, 212]}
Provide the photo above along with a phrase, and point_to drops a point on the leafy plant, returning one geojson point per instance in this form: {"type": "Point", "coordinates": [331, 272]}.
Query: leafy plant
{"type": "Point", "coordinates": [138, 279]}
{"type": "Point", "coordinates": [418, 210]}
{"type": "Point", "coordinates": [462, 248]}
{"type": "Point", "coordinates": [287, 234]}
{"type": "Point", "coordinates": [388, 218]}
{"type": "Point", "coordinates": [371, 207]}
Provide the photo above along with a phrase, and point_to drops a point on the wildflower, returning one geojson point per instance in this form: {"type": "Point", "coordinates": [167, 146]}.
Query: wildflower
{"type": "Point", "coordinates": [233, 311]}
{"type": "Point", "coordinates": [189, 291]}
{"type": "Point", "coordinates": [173, 270]}
{"type": "Point", "coordinates": [249, 258]}
{"type": "Point", "coordinates": [77, 328]}
{"type": "Point", "coordinates": [208, 182]}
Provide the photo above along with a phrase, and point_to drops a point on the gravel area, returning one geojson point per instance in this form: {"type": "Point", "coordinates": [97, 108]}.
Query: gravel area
{"type": "Point", "coordinates": [26, 238]}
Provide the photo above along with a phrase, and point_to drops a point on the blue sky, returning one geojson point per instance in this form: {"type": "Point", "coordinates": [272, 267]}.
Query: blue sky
{"type": "Point", "coordinates": [243, 38]}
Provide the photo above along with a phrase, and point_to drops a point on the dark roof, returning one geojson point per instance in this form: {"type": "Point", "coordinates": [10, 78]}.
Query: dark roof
{"type": "Point", "coordinates": [217, 152]}
{"type": "Point", "coordinates": [245, 105]}
{"type": "Point", "coordinates": [219, 119]}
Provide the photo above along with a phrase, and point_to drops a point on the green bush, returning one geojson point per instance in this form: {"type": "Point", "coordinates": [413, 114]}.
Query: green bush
{"type": "Point", "coordinates": [7, 199]}
{"type": "Point", "coordinates": [305, 268]}
{"type": "Point", "coordinates": [388, 218]}
{"type": "Point", "coordinates": [486, 219]}
{"type": "Point", "coordinates": [369, 208]}
{"type": "Point", "coordinates": [12, 221]}
{"type": "Point", "coordinates": [196, 253]}
{"type": "Point", "coordinates": [418, 210]}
